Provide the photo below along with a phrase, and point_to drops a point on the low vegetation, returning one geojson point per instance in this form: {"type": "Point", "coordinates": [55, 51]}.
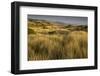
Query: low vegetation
{"type": "Point", "coordinates": [49, 40]}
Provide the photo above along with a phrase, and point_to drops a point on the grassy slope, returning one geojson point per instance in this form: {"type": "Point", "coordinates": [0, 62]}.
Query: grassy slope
{"type": "Point", "coordinates": [49, 40]}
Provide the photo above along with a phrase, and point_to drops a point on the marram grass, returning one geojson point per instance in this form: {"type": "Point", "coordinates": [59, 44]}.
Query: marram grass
{"type": "Point", "coordinates": [56, 42]}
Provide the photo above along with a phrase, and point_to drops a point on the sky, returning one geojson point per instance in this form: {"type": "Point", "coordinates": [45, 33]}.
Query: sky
{"type": "Point", "coordinates": [62, 19]}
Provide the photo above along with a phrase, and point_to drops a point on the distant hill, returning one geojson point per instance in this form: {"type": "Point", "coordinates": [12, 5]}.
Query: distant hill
{"type": "Point", "coordinates": [44, 23]}
{"type": "Point", "coordinates": [53, 25]}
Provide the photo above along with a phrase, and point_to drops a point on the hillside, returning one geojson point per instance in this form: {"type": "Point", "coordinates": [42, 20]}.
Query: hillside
{"type": "Point", "coordinates": [49, 40]}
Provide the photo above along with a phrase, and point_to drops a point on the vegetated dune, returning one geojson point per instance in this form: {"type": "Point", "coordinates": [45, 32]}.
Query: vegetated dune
{"type": "Point", "coordinates": [49, 41]}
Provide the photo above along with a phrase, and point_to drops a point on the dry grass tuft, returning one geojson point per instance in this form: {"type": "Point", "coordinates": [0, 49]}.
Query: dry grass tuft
{"type": "Point", "coordinates": [76, 44]}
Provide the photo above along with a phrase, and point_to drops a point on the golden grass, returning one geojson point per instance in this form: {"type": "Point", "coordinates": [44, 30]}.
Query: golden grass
{"type": "Point", "coordinates": [76, 44]}
{"type": "Point", "coordinates": [56, 43]}
{"type": "Point", "coordinates": [44, 47]}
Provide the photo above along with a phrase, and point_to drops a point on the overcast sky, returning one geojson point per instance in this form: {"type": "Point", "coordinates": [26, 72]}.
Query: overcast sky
{"type": "Point", "coordinates": [63, 19]}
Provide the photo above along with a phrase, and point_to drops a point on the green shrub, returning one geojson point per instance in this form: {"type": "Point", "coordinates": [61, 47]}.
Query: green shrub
{"type": "Point", "coordinates": [31, 31]}
{"type": "Point", "coordinates": [51, 32]}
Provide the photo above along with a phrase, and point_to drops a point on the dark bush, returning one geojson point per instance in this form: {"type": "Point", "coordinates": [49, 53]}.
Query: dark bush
{"type": "Point", "coordinates": [31, 31]}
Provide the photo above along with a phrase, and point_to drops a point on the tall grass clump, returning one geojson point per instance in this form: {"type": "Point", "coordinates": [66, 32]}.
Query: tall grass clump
{"type": "Point", "coordinates": [56, 50]}
{"type": "Point", "coordinates": [76, 45]}
{"type": "Point", "coordinates": [42, 47]}
{"type": "Point", "coordinates": [39, 46]}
